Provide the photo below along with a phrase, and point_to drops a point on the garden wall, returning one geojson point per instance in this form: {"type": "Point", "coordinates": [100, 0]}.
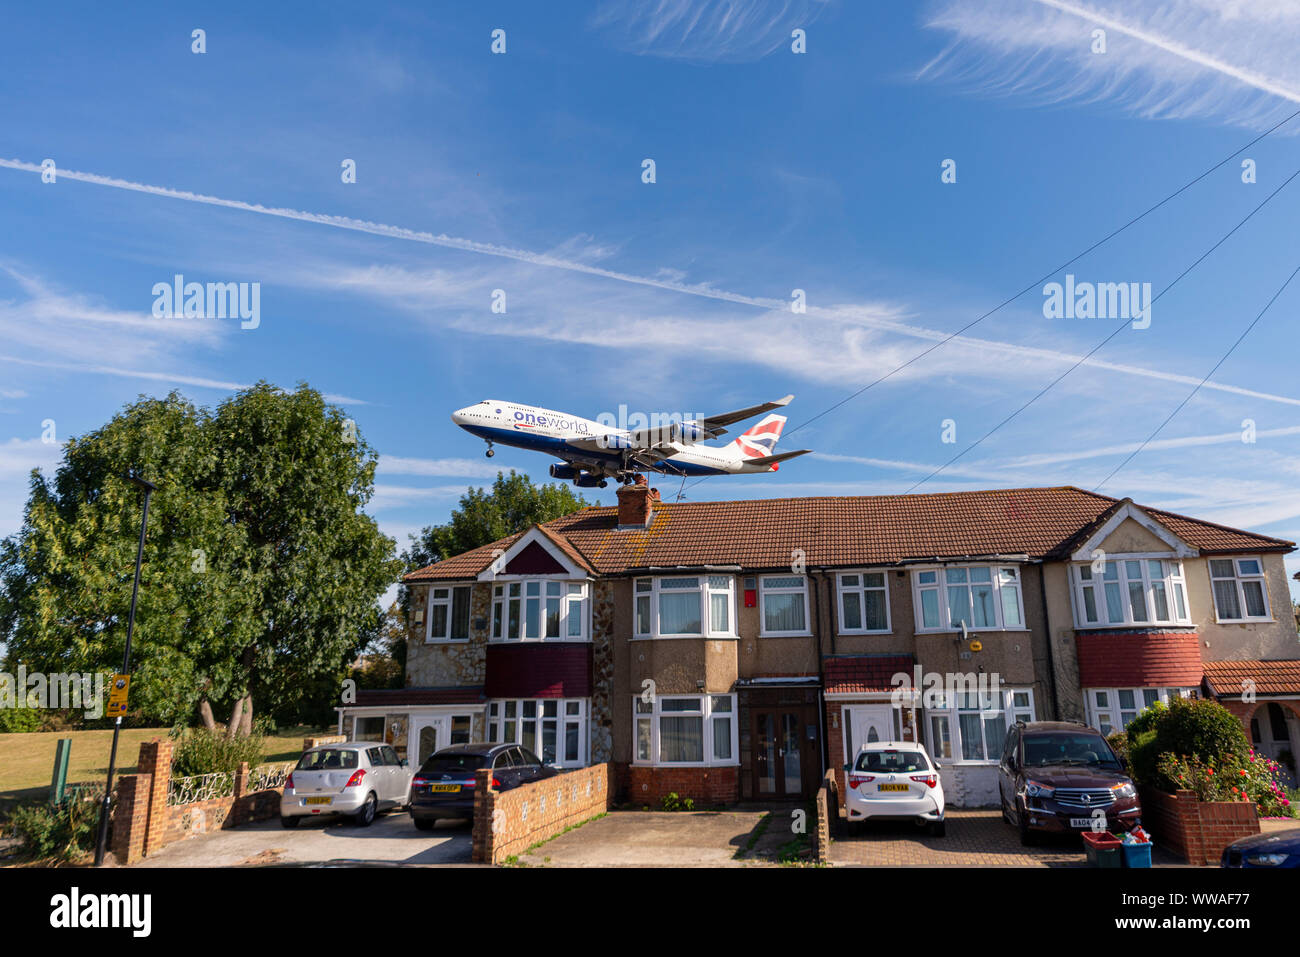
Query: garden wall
{"type": "Point", "coordinates": [1196, 830]}
{"type": "Point", "coordinates": [506, 823]}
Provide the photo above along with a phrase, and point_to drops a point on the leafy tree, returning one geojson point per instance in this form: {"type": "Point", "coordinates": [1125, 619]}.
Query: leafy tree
{"type": "Point", "coordinates": [513, 504]}
{"type": "Point", "coordinates": [260, 571]}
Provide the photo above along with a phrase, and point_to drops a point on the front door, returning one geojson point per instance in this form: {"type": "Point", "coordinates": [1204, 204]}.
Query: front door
{"type": "Point", "coordinates": [428, 734]}
{"type": "Point", "coordinates": [866, 724]}
{"type": "Point", "coordinates": [785, 753]}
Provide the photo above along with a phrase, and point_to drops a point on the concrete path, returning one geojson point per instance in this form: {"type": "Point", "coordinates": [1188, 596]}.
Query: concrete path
{"type": "Point", "coordinates": [667, 839]}
{"type": "Point", "coordinates": [391, 839]}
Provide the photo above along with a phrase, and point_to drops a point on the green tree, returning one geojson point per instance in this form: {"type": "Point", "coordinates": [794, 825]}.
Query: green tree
{"type": "Point", "coordinates": [513, 504]}
{"type": "Point", "coordinates": [261, 572]}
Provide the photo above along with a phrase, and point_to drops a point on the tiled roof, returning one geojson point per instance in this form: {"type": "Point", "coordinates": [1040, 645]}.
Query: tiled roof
{"type": "Point", "coordinates": [865, 674]}
{"type": "Point", "coordinates": [1270, 677]}
{"type": "Point", "coordinates": [846, 531]}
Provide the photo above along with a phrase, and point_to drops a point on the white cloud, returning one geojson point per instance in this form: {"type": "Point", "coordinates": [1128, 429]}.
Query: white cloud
{"type": "Point", "coordinates": [713, 31]}
{"type": "Point", "coordinates": [399, 465]}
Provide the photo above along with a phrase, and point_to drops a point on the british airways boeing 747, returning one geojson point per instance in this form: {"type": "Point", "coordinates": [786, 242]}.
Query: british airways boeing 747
{"type": "Point", "coordinates": [593, 451]}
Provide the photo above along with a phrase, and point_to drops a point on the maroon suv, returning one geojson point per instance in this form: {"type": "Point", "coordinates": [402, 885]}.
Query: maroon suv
{"type": "Point", "coordinates": [1060, 777]}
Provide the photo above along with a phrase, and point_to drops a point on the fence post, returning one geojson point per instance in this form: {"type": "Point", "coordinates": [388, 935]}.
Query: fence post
{"type": "Point", "coordinates": [131, 817]}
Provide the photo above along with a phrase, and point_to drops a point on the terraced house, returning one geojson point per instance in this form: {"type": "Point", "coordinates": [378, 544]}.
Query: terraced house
{"type": "Point", "coordinates": [736, 650]}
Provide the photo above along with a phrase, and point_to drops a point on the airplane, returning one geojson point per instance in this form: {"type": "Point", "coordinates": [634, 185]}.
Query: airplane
{"type": "Point", "coordinates": [593, 452]}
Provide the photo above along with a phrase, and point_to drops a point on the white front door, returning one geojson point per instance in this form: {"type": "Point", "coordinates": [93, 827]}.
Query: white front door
{"type": "Point", "coordinates": [864, 724]}
{"type": "Point", "coordinates": [428, 734]}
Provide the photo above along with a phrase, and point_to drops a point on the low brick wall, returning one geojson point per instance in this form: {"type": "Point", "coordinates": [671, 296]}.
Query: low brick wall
{"type": "Point", "coordinates": [144, 823]}
{"type": "Point", "coordinates": [507, 823]}
{"type": "Point", "coordinates": [704, 786]}
{"type": "Point", "coordinates": [1198, 831]}
{"type": "Point", "coordinates": [309, 743]}
{"type": "Point", "coordinates": [828, 812]}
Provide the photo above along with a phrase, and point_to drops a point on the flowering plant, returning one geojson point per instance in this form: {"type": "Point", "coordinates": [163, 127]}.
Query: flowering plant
{"type": "Point", "coordinates": [1232, 778]}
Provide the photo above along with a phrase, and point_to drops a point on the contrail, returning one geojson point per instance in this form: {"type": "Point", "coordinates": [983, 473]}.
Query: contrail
{"type": "Point", "coordinates": [1249, 77]}
{"type": "Point", "coordinates": [690, 289]}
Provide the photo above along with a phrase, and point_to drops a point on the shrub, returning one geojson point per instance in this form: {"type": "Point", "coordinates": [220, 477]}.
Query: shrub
{"type": "Point", "coordinates": [63, 832]}
{"type": "Point", "coordinates": [1143, 755]}
{"type": "Point", "coordinates": [1118, 741]}
{"type": "Point", "coordinates": [1147, 718]}
{"type": "Point", "coordinates": [1233, 778]}
{"type": "Point", "coordinates": [19, 720]}
{"type": "Point", "coordinates": [673, 802]}
{"type": "Point", "coordinates": [1201, 728]}
{"type": "Point", "coordinates": [201, 751]}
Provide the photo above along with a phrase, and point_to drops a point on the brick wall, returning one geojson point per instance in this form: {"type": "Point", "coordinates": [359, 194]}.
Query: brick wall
{"type": "Point", "coordinates": [702, 785]}
{"type": "Point", "coordinates": [316, 742]}
{"type": "Point", "coordinates": [144, 823]}
{"type": "Point", "coordinates": [828, 812]}
{"type": "Point", "coordinates": [507, 823]}
{"type": "Point", "coordinates": [1198, 831]}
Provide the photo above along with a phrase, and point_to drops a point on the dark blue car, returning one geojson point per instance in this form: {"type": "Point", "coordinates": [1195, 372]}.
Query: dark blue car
{"type": "Point", "coordinates": [444, 786]}
{"type": "Point", "coordinates": [1280, 849]}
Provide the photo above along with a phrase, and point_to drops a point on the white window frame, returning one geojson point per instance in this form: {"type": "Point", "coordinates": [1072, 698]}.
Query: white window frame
{"type": "Point", "coordinates": [652, 711]}
{"type": "Point", "coordinates": [1239, 578]}
{"type": "Point", "coordinates": [941, 586]}
{"type": "Point", "coordinates": [447, 601]}
{"type": "Point", "coordinates": [708, 585]}
{"type": "Point", "coordinates": [570, 592]}
{"type": "Point", "coordinates": [1094, 709]}
{"type": "Point", "coordinates": [764, 590]}
{"type": "Point", "coordinates": [1083, 579]}
{"type": "Point", "coordinates": [1001, 704]}
{"type": "Point", "coordinates": [861, 589]}
{"type": "Point", "coordinates": [503, 712]}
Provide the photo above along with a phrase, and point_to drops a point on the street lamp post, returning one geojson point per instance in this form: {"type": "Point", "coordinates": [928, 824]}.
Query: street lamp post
{"type": "Point", "coordinates": [105, 809]}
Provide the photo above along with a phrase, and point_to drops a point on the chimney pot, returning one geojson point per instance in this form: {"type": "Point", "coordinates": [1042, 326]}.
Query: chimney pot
{"type": "Point", "coordinates": [636, 503]}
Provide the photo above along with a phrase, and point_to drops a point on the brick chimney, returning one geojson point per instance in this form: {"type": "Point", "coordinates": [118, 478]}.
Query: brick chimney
{"type": "Point", "coordinates": [636, 503]}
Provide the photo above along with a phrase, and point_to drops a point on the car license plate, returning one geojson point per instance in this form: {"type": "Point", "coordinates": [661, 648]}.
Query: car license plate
{"type": "Point", "coordinates": [1085, 822]}
{"type": "Point", "coordinates": [317, 800]}
{"type": "Point", "coordinates": [893, 787]}
{"type": "Point", "coordinates": [445, 787]}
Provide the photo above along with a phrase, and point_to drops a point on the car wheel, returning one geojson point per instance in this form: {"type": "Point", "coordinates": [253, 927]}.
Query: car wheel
{"type": "Point", "coordinates": [290, 822]}
{"type": "Point", "coordinates": [424, 824]}
{"type": "Point", "coordinates": [938, 828]}
{"type": "Point", "coordinates": [366, 816]}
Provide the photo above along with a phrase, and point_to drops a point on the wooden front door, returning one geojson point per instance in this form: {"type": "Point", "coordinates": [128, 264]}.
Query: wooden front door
{"type": "Point", "coordinates": [785, 756]}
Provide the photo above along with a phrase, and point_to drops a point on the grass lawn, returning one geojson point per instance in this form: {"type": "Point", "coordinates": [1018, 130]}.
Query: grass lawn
{"type": "Point", "coordinates": [27, 760]}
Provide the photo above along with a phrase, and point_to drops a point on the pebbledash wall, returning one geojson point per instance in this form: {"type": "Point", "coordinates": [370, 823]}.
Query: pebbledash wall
{"type": "Point", "coordinates": [144, 823]}
{"type": "Point", "coordinates": [507, 823]}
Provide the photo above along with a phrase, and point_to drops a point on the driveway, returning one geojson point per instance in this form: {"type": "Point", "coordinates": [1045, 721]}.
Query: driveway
{"type": "Point", "coordinates": [631, 838]}
{"type": "Point", "coordinates": [391, 839]}
{"type": "Point", "coordinates": [975, 838]}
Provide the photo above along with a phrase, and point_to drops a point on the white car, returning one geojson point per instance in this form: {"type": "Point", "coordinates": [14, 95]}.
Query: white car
{"type": "Point", "coordinates": [894, 779]}
{"type": "Point", "coordinates": [357, 779]}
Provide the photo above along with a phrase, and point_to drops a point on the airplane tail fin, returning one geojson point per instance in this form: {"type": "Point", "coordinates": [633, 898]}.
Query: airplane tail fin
{"type": "Point", "coordinates": [760, 440]}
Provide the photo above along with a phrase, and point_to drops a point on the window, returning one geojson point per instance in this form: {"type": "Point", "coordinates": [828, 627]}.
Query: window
{"type": "Point", "coordinates": [1130, 592]}
{"type": "Point", "coordinates": [369, 729]}
{"type": "Point", "coordinates": [448, 614]}
{"type": "Point", "coordinates": [981, 596]}
{"type": "Point", "coordinates": [678, 729]}
{"type": "Point", "coordinates": [1239, 592]}
{"type": "Point", "coordinates": [556, 728]}
{"type": "Point", "coordinates": [460, 729]}
{"type": "Point", "coordinates": [784, 601]}
{"type": "Point", "coordinates": [971, 726]}
{"type": "Point", "coordinates": [864, 603]}
{"type": "Point", "coordinates": [684, 606]}
{"type": "Point", "coordinates": [539, 610]}
{"type": "Point", "coordinates": [1111, 709]}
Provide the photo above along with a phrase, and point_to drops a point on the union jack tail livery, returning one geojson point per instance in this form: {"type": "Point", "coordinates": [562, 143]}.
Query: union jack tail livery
{"type": "Point", "coordinates": [760, 441]}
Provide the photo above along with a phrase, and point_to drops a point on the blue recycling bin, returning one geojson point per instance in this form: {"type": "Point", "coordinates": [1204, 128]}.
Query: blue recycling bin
{"type": "Point", "coordinates": [1136, 855]}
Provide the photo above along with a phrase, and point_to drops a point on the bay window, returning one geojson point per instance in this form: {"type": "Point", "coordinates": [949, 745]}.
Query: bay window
{"type": "Point", "coordinates": [684, 606]}
{"type": "Point", "coordinates": [980, 596]}
{"type": "Point", "coordinates": [539, 610]}
{"type": "Point", "coordinates": [447, 617]}
{"type": "Point", "coordinates": [971, 726]}
{"type": "Point", "coordinates": [682, 729]}
{"type": "Point", "coordinates": [1239, 590]}
{"type": "Point", "coordinates": [864, 603]}
{"type": "Point", "coordinates": [553, 728]}
{"type": "Point", "coordinates": [784, 604]}
{"type": "Point", "coordinates": [1130, 592]}
{"type": "Point", "coordinates": [1111, 709]}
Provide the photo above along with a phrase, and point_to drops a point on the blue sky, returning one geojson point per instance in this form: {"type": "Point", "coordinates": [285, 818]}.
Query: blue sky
{"type": "Point", "coordinates": [775, 171]}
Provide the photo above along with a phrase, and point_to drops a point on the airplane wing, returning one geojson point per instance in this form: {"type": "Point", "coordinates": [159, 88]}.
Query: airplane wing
{"type": "Point", "coordinates": [773, 459]}
{"type": "Point", "coordinates": [714, 423]}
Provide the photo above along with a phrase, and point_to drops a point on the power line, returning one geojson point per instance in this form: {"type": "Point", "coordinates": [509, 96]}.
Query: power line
{"type": "Point", "coordinates": [1038, 395]}
{"type": "Point", "coordinates": [1231, 349]}
{"type": "Point", "coordinates": [1033, 285]}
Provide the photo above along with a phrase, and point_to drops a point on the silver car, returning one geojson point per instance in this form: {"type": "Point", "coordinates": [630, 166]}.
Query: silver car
{"type": "Point", "coordinates": [357, 778]}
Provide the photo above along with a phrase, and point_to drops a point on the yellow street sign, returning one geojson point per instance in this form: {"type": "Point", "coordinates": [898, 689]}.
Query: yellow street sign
{"type": "Point", "coordinates": [976, 646]}
{"type": "Point", "coordinates": [117, 695]}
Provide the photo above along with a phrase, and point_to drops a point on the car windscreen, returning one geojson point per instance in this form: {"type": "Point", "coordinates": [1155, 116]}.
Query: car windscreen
{"type": "Point", "coordinates": [460, 764]}
{"type": "Point", "coordinates": [1067, 747]}
{"type": "Point", "coordinates": [328, 759]}
{"type": "Point", "coordinates": [892, 762]}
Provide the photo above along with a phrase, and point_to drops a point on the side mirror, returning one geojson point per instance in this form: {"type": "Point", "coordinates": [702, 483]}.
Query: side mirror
{"type": "Point", "coordinates": [405, 763]}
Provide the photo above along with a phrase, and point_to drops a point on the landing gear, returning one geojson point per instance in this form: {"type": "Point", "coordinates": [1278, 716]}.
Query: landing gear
{"type": "Point", "coordinates": [602, 484]}
{"type": "Point", "coordinates": [490, 451]}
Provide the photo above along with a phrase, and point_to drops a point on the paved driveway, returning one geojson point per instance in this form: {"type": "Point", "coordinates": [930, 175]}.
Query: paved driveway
{"type": "Point", "coordinates": [975, 838]}
{"type": "Point", "coordinates": [391, 839]}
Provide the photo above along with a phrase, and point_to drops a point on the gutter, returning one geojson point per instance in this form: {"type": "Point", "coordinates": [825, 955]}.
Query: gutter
{"type": "Point", "coordinates": [821, 677]}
